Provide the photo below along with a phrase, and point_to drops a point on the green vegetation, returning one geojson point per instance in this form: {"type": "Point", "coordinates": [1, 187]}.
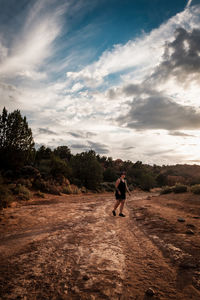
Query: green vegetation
{"type": "Point", "coordinates": [195, 189]}
{"type": "Point", "coordinates": [56, 171]}
{"type": "Point", "coordinates": [6, 196]}
{"type": "Point", "coordinates": [16, 141]}
{"type": "Point", "coordinates": [166, 190]}
{"type": "Point", "coordinates": [180, 188]}
{"type": "Point", "coordinates": [39, 194]}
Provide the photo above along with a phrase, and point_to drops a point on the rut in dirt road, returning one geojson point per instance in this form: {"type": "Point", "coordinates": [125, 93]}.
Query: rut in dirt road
{"type": "Point", "coordinates": [73, 248]}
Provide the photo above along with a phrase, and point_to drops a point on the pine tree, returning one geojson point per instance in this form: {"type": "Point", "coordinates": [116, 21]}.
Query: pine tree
{"type": "Point", "coordinates": [16, 141]}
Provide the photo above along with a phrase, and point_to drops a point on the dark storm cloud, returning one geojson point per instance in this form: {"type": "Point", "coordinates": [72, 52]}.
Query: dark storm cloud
{"type": "Point", "coordinates": [135, 89]}
{"type": "Point", "coordinates": [79, 146]}
{"type": "Point", "coordinates": [160, 112]}
{"type": "Point", "coordinates": [98, 147]}
{"type": "Point", "coordinates": [128, 148]}
{"type": "Point", "coordinates": [82, 134]}
{"type": "Point", "coordinates": [179, 133]}
{"type": "Point", "coordinates": [46, 131]}
{"type": "Point", "coordinates": [161, 152]}
{"type": "Point", "coordinates": [152, 109]}
{"type": "Point", "coordinates": [181, 58]}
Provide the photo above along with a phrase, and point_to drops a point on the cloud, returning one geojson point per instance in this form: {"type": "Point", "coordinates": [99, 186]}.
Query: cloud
{"type": "Point", "coordinates": [46, 131]}
{"type": "Point", "coordinates": [160, 152]}
{"type": "Point", "coordinates": [130, 57]}
{"type": "Point", "coordinates": [179, 133]}
{"type": "Point", "coordinates": [160, 112]}
{"type": "Point", "coordinates": [188, 3]}
{"type": "Point", "coordinates": [82, 134]}
{"type": "Point", "coordinates": [181, 58]}
{"type": "Point", "coordinates": [79, 146]}
{"type": "Point", "coordinates": [34, 43]}
{"type": "Point", "coordinates": [98, 147]}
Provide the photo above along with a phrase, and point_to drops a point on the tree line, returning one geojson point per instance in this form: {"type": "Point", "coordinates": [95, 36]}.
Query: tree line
{"type": "Point", "coordinates": [18, 158]}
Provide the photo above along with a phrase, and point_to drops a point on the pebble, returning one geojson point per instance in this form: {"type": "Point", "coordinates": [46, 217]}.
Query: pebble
{"type": "Point", "coordinates": [150, 292]}
{"type": "Point", "coordinates": [181, 220]}
{"type": "Point", "coordinates": [190, 231]}
{"type": "Point", "coordinates": [85, 277]}
{"type": "Point", "coordinates": [191, 225]}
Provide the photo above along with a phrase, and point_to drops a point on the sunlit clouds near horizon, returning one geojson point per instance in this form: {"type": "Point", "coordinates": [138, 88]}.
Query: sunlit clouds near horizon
{"type": "Point", "coordinates": [118, 77]}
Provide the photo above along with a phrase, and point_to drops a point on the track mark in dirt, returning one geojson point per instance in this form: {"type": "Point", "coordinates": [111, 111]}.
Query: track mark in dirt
{"type": "Point", "coordinates": [73, 248]}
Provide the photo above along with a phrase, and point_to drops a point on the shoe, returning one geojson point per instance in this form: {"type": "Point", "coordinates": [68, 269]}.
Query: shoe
{"type": "Point", "coordinates": [114, 213]}
{"type": "Point", "coordinates": [122, 215]}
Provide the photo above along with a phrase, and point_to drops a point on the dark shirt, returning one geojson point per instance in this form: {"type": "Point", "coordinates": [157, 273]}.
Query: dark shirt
{"type": "Point", "coordinates": [122, 188]}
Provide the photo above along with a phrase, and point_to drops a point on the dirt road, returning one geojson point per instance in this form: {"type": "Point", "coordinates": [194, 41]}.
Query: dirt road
{"type": "Point", "coordinates": [71, 247]}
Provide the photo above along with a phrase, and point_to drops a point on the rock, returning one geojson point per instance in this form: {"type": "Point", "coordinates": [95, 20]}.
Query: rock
{"type": "Point", "coordinates": [190, 231]}
{"type": "Point", "coordinates": [150, 292]}
{"type": "Point", "coordinates": [190, 225]}
{"type": "Point", "coordinates": [181, 220]}
{"type": "Point", "coordinates": [148, 198]}
{"type": "Point", "coordinates": [13, 204]}
{"type": "Point", "coordinates": [188, 265]}
{"type": "Point", "coordinates": [85, 278]}
{"type": "Point", "coordinates": [196, 217]}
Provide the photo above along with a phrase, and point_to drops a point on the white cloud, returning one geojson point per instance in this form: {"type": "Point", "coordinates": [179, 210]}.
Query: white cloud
{"type": "Point", "coordinates": [59, 112]}
{"type": "Point", "coordinates": [33, 44]}
{"type": "Point", "coordinates": [143, 52]}
{"type": "Point", "coordinates": [189, 3]}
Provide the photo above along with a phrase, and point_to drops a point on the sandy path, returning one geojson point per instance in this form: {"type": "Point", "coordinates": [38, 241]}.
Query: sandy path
{"type": "Point", "coordinates": [73, 248]}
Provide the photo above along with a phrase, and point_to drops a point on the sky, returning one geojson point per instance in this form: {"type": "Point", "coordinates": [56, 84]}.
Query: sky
{"type": "Point", "coordinates": [120, 77]}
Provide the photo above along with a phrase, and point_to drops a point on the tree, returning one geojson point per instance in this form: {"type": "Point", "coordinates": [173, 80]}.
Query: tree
{"type": "Point", "coordinates": [63, 152]}
{"type": "Point", "coordinates": [16, 141]}
{"type": "Point", "coordinates": [87, 169]}
{"type": "Point", "coordinates": [109, 175]}
{"type": "Point", "coordinates": [43, 153]}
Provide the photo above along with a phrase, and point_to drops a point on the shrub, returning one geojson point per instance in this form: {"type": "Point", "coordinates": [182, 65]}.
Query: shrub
{"type": "Point", "coordinates": [75, 189]}
{"type": "Point", "coordinates": [51, 189]}
{"type": "Point", "coordinates": [5, 196]}
{"type": "Point", "coordinates": [83, 189]}
{"type": "Point", "coordinates": [108, 186]}
{"type": "Point", "coordinates": [39, 194]}
{"type": "Point", "coordinates": [40, 184]}
{"type": "Point", "coordinates": [196, 189]}
{"type": "Point", "coordinates": [22, 192]}
{"type": "Point", "coordinates": [29, 172]}
{"type": "Point", "coordinates": [180, 188]}
{"type": "Point", "coordinates": [166, 190]}
{"type": "Point", "coordinates": [25, 182]}
{"type": "Point", "coordinates": [67, 189]}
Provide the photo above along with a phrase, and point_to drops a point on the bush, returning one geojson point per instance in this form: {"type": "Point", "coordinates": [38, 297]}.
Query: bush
{"type": "Point", "coordinates": [25, 182]}
{"type": "Point", "coordinates": [39, 194]}
{"type": "Point", "coordinates": [22, 192]}
{"type": "Point", "coordinates": [51, 189]}
{"type": "Point", "coordinates": [195, 189]}
{"type": "Point", "coordinates": [75, 189]}
{"type": "Point", "coordinates": [5, 196]}
{"type": "Point", "coordinates": [166, 190]}
{"type": "Point", "coordinates": [29, 172]}
{"type": "Point", "coordinates": [180, 188]}
{"type": "Point", "coordinates": [83, 189]}
{"type": "Point", "coordinates": [67, 190]}
{"type": "Point", "coordinates": [39, 184]}
{"type": "Point", "coordinates": [108, 186]}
